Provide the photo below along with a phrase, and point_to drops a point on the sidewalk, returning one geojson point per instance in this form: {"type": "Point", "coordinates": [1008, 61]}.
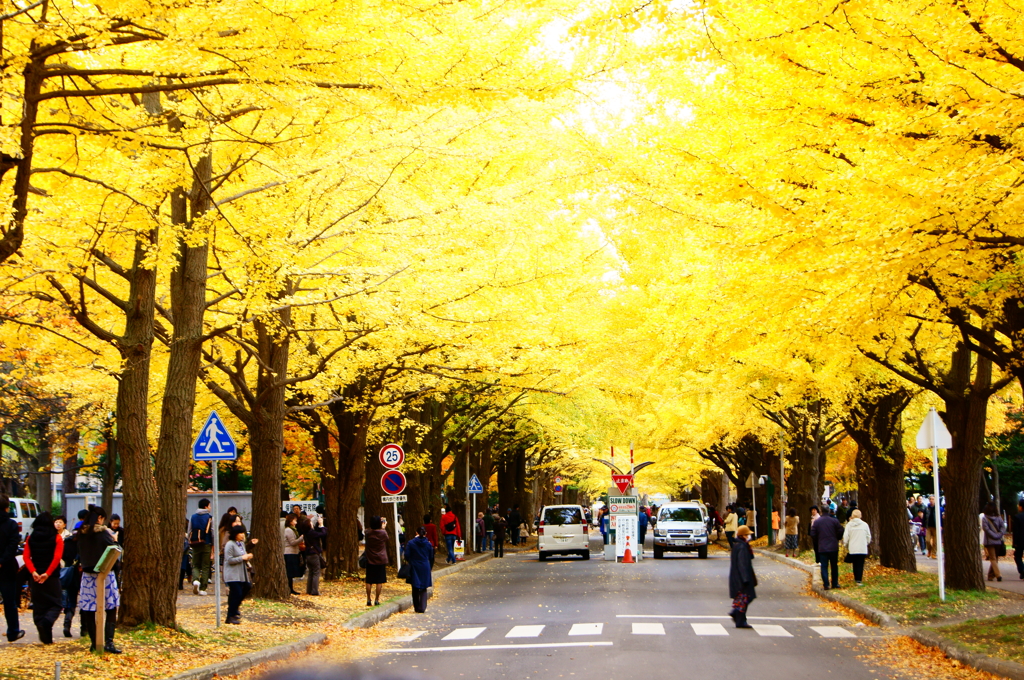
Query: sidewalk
{"type": "Point", "coordinates": [1011, 583]}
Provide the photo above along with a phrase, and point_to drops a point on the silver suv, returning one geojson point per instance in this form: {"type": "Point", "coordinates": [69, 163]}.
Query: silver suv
{"type": "Point", "coordinates": [681, 527]}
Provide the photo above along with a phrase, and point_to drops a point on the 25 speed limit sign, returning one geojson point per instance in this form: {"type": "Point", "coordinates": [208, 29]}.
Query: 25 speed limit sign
{"type": "Point", "coordinates": [391, 455]}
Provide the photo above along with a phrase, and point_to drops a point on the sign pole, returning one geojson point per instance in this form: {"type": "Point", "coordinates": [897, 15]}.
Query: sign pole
{"type": "Point", "coordinates": [938, 511]}
{"type": "Point", "coordinates": [753, 504]}
{"type": "Point", "coordinates": [398, 547]}
{"type": "Point", "coordinates": [216, 545]}
{"type": "Point", "coordinates": [476, 546]}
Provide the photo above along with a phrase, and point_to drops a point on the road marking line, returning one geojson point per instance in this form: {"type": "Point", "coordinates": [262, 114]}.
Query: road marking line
{"type": "Point", "coordinates": [408, 638]}
{"type": "Point", "coordinates": [767, 630]}
{"type": "Point", "coordinates": [648, 629]}
{"type": "Point", "coordinates": [464, 634]}
{"type": "Point", "coordinates": [586, 629]}
{"type": "Point", "coordinates": [713, 616]}
{"type": "Point", "coordinates": [832, 632]}
{"type": "Point", "coordinates": [538, 645]}
{"type": "Point", "coordinates": [524, 632]}
{"type": "Point", "coordinates": [708, 629]}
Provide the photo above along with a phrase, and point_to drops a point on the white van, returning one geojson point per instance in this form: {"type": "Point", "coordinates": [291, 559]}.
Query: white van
{"type": "Point", "coordinates": [24, 511]}
{"type": "Point", "coordinates": [563, 531]}
{"type": "Point", "coordinates": [681, 527]}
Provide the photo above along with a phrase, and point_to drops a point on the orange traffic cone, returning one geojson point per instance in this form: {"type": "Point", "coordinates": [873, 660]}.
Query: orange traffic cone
{"type": "Point", "coordinates": [627, 556]}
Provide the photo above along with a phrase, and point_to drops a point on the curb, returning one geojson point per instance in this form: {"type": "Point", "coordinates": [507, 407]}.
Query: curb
{"type": "Point", "coordinates": [982, 662]}
{"type": "Point", "coordinates": [384, 611]}
{"type": "Point", "coordinates": [240, 664]}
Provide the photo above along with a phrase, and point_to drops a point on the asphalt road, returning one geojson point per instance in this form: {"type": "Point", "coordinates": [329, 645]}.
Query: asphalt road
{"type": "Point", "coordinates": [520, 618]}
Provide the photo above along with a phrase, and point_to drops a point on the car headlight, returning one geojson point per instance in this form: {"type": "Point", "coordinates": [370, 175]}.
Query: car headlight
{"type": "Point", "coordinates": [660, 532]}
{"type": "Point", "coordinates": [701, 532]}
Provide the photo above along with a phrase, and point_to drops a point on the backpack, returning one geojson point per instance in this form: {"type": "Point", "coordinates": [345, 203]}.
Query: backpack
{"type": "Point", "coordinates": [195, 537]}
{"type": "Point", "coordinates": [450, 526]}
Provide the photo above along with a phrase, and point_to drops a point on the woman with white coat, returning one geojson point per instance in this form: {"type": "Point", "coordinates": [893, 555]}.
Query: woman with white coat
{"type": "Point", "coordinates": [856, 539]}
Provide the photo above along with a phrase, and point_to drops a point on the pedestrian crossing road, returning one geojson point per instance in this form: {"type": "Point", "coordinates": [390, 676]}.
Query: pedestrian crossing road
{"type": "Point", "coordinates": [701, 626]}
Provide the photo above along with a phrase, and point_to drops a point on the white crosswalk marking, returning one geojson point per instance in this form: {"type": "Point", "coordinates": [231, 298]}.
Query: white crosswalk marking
{"type": "Point", "coordinates": [525, 632]}
{"type": "Point", "coordinates": [769, 630]}
{"type": "Point", "coordinates": [832, 632]}
{"type": "Point", "coordinates": [586, 629]}
{"type": "Point", "coordinates": [464, 634]}
{"type": "Point", "coordinates": [408, 638]}
{"type": "Point", "coordinates": [708, 629]}
{"type": "Point", "coordinates": [648, 629]}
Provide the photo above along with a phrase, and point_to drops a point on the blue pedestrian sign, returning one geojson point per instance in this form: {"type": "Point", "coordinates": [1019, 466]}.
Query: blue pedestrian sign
{"type": "Point", "coordinates": [474, 485]}
{"type": "Point", "coordinates": [214, 441]}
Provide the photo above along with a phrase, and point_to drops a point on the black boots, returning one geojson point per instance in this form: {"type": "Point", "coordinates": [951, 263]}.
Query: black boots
{"type": "Point", "coordinates": [741, 620]}
{"type": "Point", "coordinates": [67, 625]}
{"type": "Point", "coordinates": [89, 623]}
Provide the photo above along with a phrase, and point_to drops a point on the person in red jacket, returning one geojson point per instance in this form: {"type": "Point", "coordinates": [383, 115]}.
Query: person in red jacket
{"type": "Point", "coordinates": [452, 531]}
{"type": "Point", "coordinates": [431, 529]}
{"type": "Point", "coordinates": [43, 551]}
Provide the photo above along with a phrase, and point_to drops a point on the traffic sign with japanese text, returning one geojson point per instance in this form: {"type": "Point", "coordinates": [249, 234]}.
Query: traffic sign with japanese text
{"type": "Point", "coordinates": [622, 482]}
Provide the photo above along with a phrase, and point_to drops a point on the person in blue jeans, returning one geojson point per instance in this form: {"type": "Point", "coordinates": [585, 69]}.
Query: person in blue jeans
{"type": "Point", "coordinates": [451, 530]}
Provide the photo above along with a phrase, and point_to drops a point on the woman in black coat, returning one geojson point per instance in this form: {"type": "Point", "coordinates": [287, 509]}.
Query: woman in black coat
{"type": "Point", "coordinates": [742, 581]}
{"type": "Point", "coordinates": [418, 552]}
{"type": "Point", "coordinates": [43, 552]}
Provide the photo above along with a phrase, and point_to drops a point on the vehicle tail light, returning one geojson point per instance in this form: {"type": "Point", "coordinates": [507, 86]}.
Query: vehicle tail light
{"type": "Point", "coordinates": [586, 529]}
{"type": "Point", "coordinates": [540, 528]}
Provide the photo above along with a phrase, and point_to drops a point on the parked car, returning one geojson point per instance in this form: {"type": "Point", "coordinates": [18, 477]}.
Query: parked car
{"type": "Point", "coordinates": [681, 527]}
{"type": "Point", "coordinates": [24, 510]}
{"type": "Point", "coordinates": [563, 531]}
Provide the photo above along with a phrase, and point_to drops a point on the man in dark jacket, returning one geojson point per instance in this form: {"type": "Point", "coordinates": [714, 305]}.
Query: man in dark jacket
{"type": "Point", "coordinates": [1018, 537]}
{"type": "Point", "coordinates": [514, 521]}
{"type": "Point", "coordinates": [200, 538]}
{"type": "Point", "coordinates": [10, 588]}
{"type": "Point", "coordinates": [828, 531]}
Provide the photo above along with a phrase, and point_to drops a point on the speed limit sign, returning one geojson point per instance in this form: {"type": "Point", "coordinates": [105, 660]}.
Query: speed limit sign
{"type": "Point", "coordinates": [392, 455]}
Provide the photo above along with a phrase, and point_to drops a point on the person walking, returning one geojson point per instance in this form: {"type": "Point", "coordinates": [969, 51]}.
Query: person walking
{"type": "Point", "coordinates": [92, 542]}
{"type": "Point", "coordinates": [312, 535]}
{"type": "Point", "coordinates": [236, 572]}
{"type": "Point", "coordinates": [293, 545]}
{"type": "Point", "coordinates": [488, 531]}
{"type": "Point", "coordinates": [200, 540]}
{"type": "Point", "coordinates": [1018, 538]}
{"type": "Point", "coordinates": [792, 532]}
{"type": "Point", "coordinates": [227, 520]}
{"type": "Point", "coordinates": [499, 535]}
{"type": "Point", "coordinates": [857, 538]}
{"type": "Point", "coordinates": [431, 529]}
{"type": "Point", "coordinates": [418, 551]}
{"type": "Point", "coordinates": [995, 547]}
{"type": "Point", "coordinates": [481, 532]}
{"type": "Point", "coordinates": [643, 520]}
{"type": "Point", "coordinates": [829, 532]}
{"type": "Point", "coordinates": [515, 520]}
{"type": "Point", "coordinates": [814, 539]}
{"type": "Point", "coordinates": [742, 580]}
{"type": "Point", "coordinates": [118, 531]}
{"type": "Point", "coordinates": [376, 557]}
{"type": "Point", "coordinates": [69, 574]}
{"type": "Point", "coordinates": [43, 551]}
{"type": "Point", "coordinates": [731, 523]}
{"type": "Point", "coordinates": [10, 587]}
{"type": "Point", "coordinates": [929, 527]}
{"type": "Point", "coordinates": [452, 532]}
{"type": "Point", "coordinates": [917, 530]}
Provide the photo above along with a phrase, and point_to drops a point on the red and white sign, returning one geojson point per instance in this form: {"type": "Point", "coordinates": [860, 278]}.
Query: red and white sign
{"type": "Point", "coordinates": [623, 482]}
{"type": "Point", "coordinates": [393, 482]}
{"type": "Point", "coordinates": [391, 455]}
{"type": "Point", "coordinates": [558, 480]}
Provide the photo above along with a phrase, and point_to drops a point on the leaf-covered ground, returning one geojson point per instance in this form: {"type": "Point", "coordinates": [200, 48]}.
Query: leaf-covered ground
{"type": "Point", "coordinates": [151, 652]}
{"type": "Point", "coordinates": [1000, 636]}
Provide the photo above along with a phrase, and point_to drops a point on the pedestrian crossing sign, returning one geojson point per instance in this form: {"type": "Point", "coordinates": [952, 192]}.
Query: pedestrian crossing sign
{"type": "Point", "coordinates": [474, 485]}
{"type": "Point", "coordinates": [214, 441]}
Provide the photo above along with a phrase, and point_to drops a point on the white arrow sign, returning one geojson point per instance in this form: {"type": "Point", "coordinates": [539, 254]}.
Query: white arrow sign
{"type": "Point", "coordinates": [933, 433]}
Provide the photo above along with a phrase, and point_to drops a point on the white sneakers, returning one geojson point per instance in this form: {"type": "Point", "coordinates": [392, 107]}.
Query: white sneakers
{"type": "Point", "coordinates": [195, 587]}
{"type": "Point", "coordinates": [202, 592]}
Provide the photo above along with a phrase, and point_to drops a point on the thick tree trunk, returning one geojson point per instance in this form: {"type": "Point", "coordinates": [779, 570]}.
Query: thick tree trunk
{"type": "Point", "coordinates": [343, 480]}
{"type": "Point", "coordinates": [506, 482]}
{"type": "Point", "coordinates": [140, 599]}
{"type": "Point", "coordinates": [266, 442]}
{"type": "Point", "coordinates": [109, 469]}
{"type": "Point", "coordinates": [174, 454]}
{"type": "Point", "coordinates": [875, 422]}
{"type": "Point", "coordinates": [965, 417]}
{"type": "Point", "coordinates": [70, 472]}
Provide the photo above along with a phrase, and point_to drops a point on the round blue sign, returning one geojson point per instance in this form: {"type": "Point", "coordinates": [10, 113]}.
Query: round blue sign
{"type": "Point", "coordinates": [393, 482]}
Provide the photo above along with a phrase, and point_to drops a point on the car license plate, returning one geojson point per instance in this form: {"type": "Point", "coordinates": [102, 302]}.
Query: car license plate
{"type": "Point", "coordinates": [563, 539]}
{"type": "Point", "coordinates": [682, 541]}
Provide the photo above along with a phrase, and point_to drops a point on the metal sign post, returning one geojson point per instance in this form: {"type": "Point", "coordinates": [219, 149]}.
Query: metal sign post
{"type": "Point", "coordinates": [398, 547]}
{"type": "Point", "coordinates": [934, 435]}
{"type": "Point", "coordinates": [474, 487]}
{"type": "Point", "coordinates": [214, 443]}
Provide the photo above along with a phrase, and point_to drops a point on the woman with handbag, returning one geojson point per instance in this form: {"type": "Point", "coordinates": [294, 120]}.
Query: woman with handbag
{"type": "Point", "coordinates": [995, 529]}
{"type": "Point", "coordinates": [92, 543]}
{"type": "Point", "coordinates": [376, 554]}
{"type": "Point", "coordinates": [742, 580]}
{"type": "Point", "coordinates": [293, 545]}
{"type": "Point", "coordinates": [856, 538]}
{"type": "Point", "coordinates": [452, 532]}
{"type": "Point", "coordinates": [236, 572]}
{"type": "Point", "coordinates": [417, 556]}
{"type": "Point", "coordinates": [313, 534]}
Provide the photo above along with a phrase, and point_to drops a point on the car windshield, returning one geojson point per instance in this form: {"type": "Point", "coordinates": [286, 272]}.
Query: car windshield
{"type": "Point", "coordinates": [680, 515]}
{"type": "Point", "coordinates": [560, 516]}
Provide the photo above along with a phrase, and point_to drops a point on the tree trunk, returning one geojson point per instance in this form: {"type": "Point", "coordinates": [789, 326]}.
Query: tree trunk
{"type": "Point", "coordinates": [143, 550]}
{"type": "Point", "coordinates": [70, 472]}
{"type": "Point", "coordinates": [506, 482]}
{"type": "Point", "coordinates": [266, 443]}
{"type": "Point", "coordinates": [109, 468]}
{"type": "Point", "coordinates": [174, 448]}
{"type": "Point", "coordinates": [875, 422]}
{"type": "Point", "coordinates": [966, 410]}
{"type": "Point", "coordinates": [343, 479]}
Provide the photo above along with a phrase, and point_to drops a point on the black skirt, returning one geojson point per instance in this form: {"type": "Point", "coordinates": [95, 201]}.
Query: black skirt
{"type": "Point", "coordinates": [293, 566]}
{"type": "Point", "coordinates": [376, 573]}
